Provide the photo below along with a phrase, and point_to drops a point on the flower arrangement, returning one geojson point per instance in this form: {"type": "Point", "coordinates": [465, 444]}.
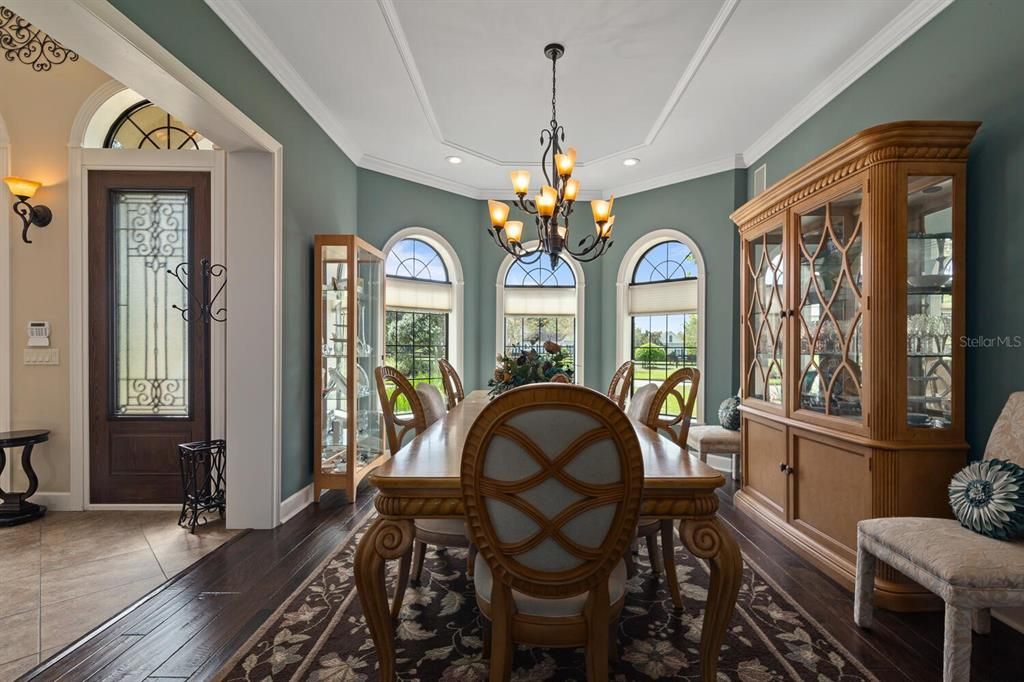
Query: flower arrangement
{"type": "Point", "coordinates": [529, 367]}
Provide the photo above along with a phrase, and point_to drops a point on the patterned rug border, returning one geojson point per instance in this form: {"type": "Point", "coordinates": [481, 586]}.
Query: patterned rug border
{"type": "Point", "coordinates": [372, 514]}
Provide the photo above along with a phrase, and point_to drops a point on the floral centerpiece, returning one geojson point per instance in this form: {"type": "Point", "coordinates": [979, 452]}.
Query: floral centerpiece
{"type": "Point", "coordinates": [529, 367]}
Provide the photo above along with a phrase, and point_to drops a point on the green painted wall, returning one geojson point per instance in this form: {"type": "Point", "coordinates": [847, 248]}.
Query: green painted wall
{"type": "Point", "coordinates": [319, 189]}
{"type": "Point", "coordinates": [700, 209]}
{"type": "Point", "coordinates": [965, 64]}
{"type": "Point", "coordinates": [388, 204]}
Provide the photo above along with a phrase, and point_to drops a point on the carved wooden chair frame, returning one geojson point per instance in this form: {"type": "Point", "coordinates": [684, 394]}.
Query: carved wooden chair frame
{"type": "Point", "coordinates": [452, 383]}
{"type": "Point", "coordinates": [670, 387]}
{"type": "Point", "coordinates": [398, 427]}
{"type": "Point", "coordinates": [591, 628]}
{"type": "Point", "coordinates": [618, 389]}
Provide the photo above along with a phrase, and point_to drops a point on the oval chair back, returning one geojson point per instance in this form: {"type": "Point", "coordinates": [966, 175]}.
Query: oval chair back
{"type": "Point", "coordinates": [618, 389]}
{"type": "Point", "coordinates": [552, 478]}
{"type": "Point", "coordinates": [392, 387]}
{"type": "Point", "coordinates": [432, 401]}
{"type": "Point", "coordinates": [452, 383]}
{"type": "Point", "coordinates": [681, 385]}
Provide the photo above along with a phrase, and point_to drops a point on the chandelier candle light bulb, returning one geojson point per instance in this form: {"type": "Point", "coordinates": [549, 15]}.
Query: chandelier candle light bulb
{"type": "Point", "coordinates": [552, 208]}
{"type": "Point", "coordinates": [520, 181]}
{"type": "Point", "coordinates": [499, 213]}
{"type": "Point", "coordinates": [514, 231]}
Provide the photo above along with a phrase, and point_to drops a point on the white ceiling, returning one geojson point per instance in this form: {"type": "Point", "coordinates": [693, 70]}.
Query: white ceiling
{"type": "Point", "coordinates": [689, 87]}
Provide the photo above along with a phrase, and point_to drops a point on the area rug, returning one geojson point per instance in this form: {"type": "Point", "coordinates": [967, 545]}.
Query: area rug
{"type": "Point", "coordinates": [319, 633]}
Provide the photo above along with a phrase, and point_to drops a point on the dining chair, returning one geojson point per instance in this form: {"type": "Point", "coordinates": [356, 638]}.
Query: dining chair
{"type": "Point", "coordinates": [647, 408]}
{"type": "Point", "coordinates": [618, 389]}
{"type": "Point", "coordinates": [452, 383]}
{"type": "Point", "coordinates": [552, 478]}
{"type": "Point", "coordinates": [560, 379]}
{"type": "Point", "coordinates": [393, 386]}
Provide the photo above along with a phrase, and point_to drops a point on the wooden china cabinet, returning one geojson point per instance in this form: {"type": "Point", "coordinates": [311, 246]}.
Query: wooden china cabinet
{"type": "Point", "coordinates": [853, 374]}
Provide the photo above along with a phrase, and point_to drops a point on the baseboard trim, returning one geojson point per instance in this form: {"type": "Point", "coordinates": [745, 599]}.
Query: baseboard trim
{"type": "Point", "coordinates": [133, 507]}
{"type": "Point", "coordinates": [55, 501]}
{"type": "Point", "coordinates": [296, 503]}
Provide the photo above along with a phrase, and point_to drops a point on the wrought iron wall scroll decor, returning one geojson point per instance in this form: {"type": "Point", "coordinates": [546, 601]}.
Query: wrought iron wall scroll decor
{"type": "Point", "coordinates": [29, 45]}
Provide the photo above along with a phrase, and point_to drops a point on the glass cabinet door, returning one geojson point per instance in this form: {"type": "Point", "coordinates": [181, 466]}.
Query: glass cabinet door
{"type": "Point", "coordinates": [930, 272]}
{"type": "Point", "coordinates": [368, 353]}
{"type": "Point", "coordinates": [830, 311]}
{"type": "Point", "coordinates": [765, 319]}
{"type": "Point", "coordinates": [334, 359]}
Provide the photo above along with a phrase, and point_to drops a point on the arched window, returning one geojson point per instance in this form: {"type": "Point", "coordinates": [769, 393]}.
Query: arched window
{"type": "Point", "coordinates": [127, 120]}
{"type": "Point", "coordinates": [661, 309]}
{"type": "Point", "coordinates": [539, 303]}
{"type": "Point", "coordinates": [420, 305]}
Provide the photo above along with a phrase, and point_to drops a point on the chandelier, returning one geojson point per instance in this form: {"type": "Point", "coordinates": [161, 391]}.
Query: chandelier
{"type": "Point", "coordinates": [553, 206]}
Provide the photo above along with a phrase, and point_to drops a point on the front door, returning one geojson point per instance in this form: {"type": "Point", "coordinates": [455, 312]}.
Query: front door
{"type": "Point", "coordinates": [148, 388]}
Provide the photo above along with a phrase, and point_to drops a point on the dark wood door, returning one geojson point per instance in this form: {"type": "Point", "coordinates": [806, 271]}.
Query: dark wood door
{"type": "Point", "coordinates": [148, 388]}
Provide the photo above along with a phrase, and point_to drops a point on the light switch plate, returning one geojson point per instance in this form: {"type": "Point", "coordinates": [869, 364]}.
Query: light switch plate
{"type": "Point", "coordinates": [42, 356]}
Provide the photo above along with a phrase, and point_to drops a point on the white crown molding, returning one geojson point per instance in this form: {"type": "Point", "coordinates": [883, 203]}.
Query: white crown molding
{"type": "Point", "coordinates": [234, 15]}
{"type": "Point", "coordinates": [380, 165]}
{"type": "Point", "coordinates": [906, 24]}
{"type": "Point", "coordinates": [691, 173]}
{"type": "Point", "coordinates": [387, 8]}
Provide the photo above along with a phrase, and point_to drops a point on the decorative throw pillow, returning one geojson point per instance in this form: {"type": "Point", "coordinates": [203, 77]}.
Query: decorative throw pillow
{"type": "Point", "coordinates": [729, 413]}
{"type": "Point", "coordinates": [988, 498]}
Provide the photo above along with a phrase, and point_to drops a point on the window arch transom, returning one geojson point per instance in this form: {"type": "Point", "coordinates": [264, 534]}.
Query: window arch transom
{"type": "Point", "coordinates": [668, 261]}
{"type": "Point", "coordinates": [412, 258]}
{"type": "Point", "coordinates": [144, 125]}
{"type": "Point", "coordinates": [540, 274]}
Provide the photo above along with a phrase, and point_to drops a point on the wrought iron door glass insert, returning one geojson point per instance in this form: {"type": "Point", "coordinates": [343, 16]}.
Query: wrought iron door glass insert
{"type": "Point", "coordinates": [23, 42]}
{"type": "Point", "coordinates": [202, 481]}
{"type": "Point", "coordinates": [151, 354]}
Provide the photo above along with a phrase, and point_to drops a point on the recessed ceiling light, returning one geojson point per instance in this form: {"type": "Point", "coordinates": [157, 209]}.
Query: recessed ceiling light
{"type": "Point", "coordinates": [454, 160]}
{"type": "Point", "coordinates": [630, 162]}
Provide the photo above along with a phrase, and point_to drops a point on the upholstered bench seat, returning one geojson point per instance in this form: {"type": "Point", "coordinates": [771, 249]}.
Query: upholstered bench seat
{"type": "Point", "coordinates": [550, 608]}
{"type": "Point", "coordinates": [708, 439]}
{"type": "Point", "coordinates": [981, 568]}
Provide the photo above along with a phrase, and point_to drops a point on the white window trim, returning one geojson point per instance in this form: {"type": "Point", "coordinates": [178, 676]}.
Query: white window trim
{"type": "Point", "coordinates": [499, 307]}
{"type": "Point", "coordinates": [456, 326]}
{"type": "Point", "coordinates": [622, 317]}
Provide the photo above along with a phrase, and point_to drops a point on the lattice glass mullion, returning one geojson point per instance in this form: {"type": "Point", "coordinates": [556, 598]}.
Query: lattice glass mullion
{"type": "Point", "coordinates": [151, 351]}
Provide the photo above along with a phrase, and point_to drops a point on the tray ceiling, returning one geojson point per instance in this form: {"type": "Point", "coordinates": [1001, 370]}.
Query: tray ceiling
{"type": "Point", "coordinates": [689, 88]}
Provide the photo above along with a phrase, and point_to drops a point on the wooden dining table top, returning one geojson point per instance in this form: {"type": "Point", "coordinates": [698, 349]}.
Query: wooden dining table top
{"type": "Point", "coordinates": [433, 460]}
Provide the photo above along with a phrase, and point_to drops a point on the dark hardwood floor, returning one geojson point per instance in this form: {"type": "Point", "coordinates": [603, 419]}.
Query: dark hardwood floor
{"type": "Point", "coordinates": [189, 627]}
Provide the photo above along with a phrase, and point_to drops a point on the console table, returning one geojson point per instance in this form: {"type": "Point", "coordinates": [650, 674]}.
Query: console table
{"type": "Point", "coordinates": [15, 507]}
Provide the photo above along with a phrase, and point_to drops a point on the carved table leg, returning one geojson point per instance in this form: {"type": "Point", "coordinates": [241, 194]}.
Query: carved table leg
{"type": "Point", "coordinates": [709, 539]}
{"type": "Point", "coordinates": [385, 540]}
{"type": "Point", "coordinates": [30, 473]}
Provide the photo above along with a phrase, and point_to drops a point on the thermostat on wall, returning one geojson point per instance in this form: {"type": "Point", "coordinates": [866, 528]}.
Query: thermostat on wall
{"type": "Point", "coordinates": [39, 334]}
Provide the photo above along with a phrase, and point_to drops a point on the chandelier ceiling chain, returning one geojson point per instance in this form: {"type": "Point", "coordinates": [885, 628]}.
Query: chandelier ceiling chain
{"type": "Point", "coordinates": [554, 205]}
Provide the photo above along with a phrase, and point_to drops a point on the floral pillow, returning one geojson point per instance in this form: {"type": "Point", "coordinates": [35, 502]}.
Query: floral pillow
{"type": "Point", "coordinates": [988, 498]}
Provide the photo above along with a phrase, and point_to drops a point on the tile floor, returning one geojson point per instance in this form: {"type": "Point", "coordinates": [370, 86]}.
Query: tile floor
{"type": "Point", "coordinates": [69, 572]}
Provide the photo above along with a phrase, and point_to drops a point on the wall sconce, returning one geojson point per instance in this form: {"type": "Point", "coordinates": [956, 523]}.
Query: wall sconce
{"type": "Point", "coordinates": [38, 215]}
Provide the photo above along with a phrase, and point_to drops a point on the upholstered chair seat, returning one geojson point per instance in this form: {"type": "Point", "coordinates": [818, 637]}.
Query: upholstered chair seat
{"type": "Point", "coordinates": [972, 573]}
{"type": "Point", "coordinates": [434, 406]}
{"type": "Point", "coordinates": [529, 605]}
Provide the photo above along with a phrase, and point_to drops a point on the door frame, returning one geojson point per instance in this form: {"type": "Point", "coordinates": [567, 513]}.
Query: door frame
{"type": "Point", "coordinates": [212, 162]}
{"type": "Point", "coordinates": [253, 219]}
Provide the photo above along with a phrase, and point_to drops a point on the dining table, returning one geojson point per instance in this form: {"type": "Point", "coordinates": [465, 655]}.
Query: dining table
{"type": "Point", "coordinates": [422, 480]}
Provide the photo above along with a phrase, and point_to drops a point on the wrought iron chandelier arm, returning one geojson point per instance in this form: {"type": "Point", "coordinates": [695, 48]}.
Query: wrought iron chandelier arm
{"type": "Point", "coordinates": [593, 252]}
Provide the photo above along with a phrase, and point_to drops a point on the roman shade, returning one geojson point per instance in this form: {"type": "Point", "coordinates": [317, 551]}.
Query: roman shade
{"type": "Point", "coordinates": [665, 297]}
{"type": "Point", "coordinates": [407, 294]}
{"type": "Point", "coordinates": [540, 301]}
